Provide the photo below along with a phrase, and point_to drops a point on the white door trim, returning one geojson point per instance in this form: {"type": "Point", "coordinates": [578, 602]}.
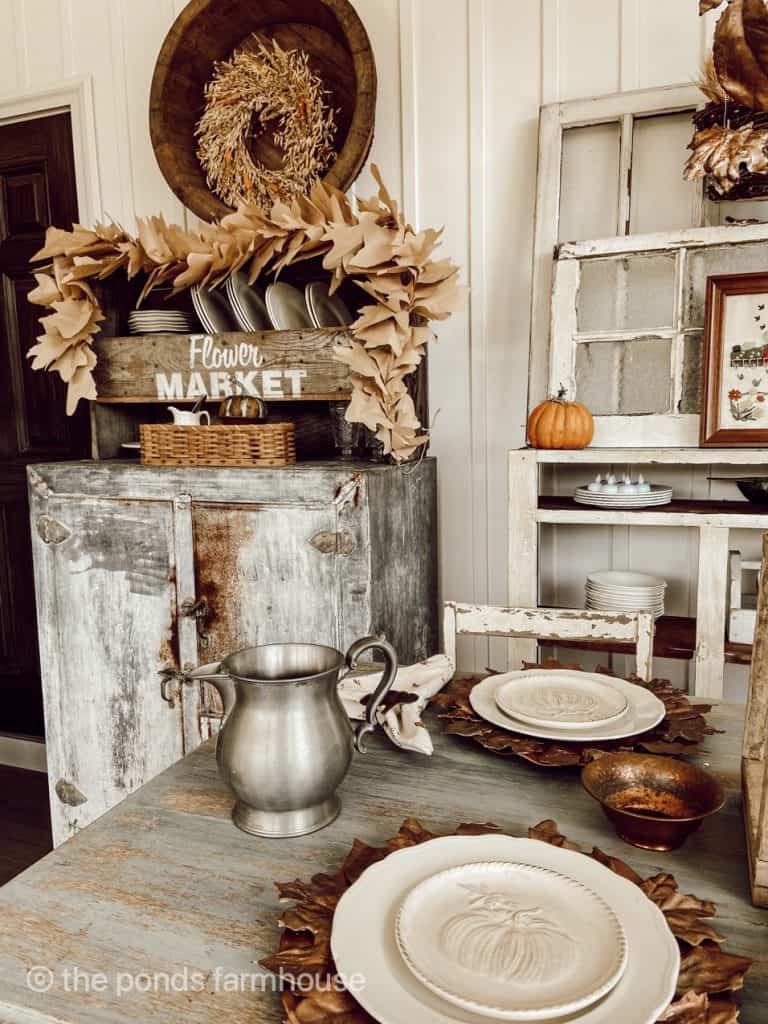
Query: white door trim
{"type": "Point", "coordinates": [76, 96]}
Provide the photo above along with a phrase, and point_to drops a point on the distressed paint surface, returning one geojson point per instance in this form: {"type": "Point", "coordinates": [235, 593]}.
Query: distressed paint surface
{"type": "Point", "coordinates": [551, 624]}
{"type": "Point", "coordinates": [106, 611]}
{"type": "Point", "coordinates": [315, 552]}
{"type": "Point", "coordinates": [264, 580]}
{"type": "Point", "coordinates": [166, 880]}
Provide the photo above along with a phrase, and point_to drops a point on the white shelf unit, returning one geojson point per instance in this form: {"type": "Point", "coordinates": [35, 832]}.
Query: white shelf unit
{"type": "Point", "coordinates": [702, 639]}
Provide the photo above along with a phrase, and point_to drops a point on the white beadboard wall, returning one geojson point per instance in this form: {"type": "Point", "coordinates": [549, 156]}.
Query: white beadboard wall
{"type": "Point", "coordinates": [460, 85]}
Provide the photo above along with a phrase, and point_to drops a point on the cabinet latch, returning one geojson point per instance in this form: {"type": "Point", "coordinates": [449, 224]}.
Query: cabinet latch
{"type": "Point", "coordinates": [327, 543]}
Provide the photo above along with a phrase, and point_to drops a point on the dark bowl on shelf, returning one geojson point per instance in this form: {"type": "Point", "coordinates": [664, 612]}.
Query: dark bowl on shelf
{"type": "Point", "coordinates": [653, 802]}
{"type": "Point", "coordinates": [754, 489]}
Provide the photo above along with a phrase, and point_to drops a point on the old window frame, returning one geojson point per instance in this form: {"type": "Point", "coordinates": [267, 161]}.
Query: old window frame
{"type": "Point", "coordinates": [556, 118]}
{"type": "Point", "coordinates": [649, 431]}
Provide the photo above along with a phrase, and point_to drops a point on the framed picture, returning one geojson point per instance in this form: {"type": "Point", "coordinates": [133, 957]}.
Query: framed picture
{"type": "Point", "coordinates": [734, 407]}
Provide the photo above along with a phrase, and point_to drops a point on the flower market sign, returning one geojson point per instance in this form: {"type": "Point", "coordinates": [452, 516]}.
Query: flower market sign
{"type": "Point", "coordinates": [373, 245]}
{"type": "Point", "coordinates": [275, 365]}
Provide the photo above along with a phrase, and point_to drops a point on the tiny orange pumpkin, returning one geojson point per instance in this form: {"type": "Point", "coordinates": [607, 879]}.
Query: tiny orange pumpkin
{"type": "Point", "coordinates": [557, 423]}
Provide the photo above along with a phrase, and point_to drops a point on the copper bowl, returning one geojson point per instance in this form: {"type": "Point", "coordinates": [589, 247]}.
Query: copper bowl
{"type": "Point", "coordinates": [653, 802]}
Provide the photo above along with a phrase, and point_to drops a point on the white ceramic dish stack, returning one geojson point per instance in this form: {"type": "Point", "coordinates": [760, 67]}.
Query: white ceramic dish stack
{"type": "Point", "coordinates": [657, 495]}
{"type": "Point", "coordinates": [474, 928]}
{"type": "Point", "coordinates": [160, 321]}
{"type": "Point", "coordinates": [618, 591]}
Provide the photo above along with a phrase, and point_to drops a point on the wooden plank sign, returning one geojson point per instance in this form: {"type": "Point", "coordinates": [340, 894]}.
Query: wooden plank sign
{"type": "Point", "coordinates": [275, 365]}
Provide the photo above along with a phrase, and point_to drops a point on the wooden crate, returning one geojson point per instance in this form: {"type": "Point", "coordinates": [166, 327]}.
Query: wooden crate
{"type": "Point", "coordinates": [754, 765]}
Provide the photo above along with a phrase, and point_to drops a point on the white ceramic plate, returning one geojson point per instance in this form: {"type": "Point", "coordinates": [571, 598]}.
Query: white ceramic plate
{"type": "Point", "coordinates": [287, 308]}
{"type": "Point", "coordinates": [643, 712]}
{"type": "Point", "coordinates": [326, 310]}
{"type": "Point", "coordinates": [131, 446]}
{"type": "Point", "coordinates": [247, 303]}
{"type": "Point", "coordinates": [213, 310]}
{"type": "Point", "coordinates": [364, 948]}
{"type": "Point", "coordinates": [511, 941]}
{"type": "Point", "coordinates": [545, 699]}
{"type": "Point", "coordinates": [623, 578]}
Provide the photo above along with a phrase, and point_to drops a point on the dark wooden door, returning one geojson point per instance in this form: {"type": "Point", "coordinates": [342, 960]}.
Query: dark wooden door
{"type": "Point", "coordinates": [37, 188]}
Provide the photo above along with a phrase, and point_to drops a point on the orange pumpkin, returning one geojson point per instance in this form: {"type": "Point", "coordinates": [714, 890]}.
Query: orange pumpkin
{"type": "Point", "coordinates": [560, 424]}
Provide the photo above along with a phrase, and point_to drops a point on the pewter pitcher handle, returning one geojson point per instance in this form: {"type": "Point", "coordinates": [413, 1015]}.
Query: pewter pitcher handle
{"type": "Point", "coordinates": [354, 653]}
{"type": "Point", "coordinates": [217, 676]}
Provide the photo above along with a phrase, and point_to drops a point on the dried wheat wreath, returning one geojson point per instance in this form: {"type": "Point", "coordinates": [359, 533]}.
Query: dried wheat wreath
{"type": "Point", "coordinates": [248, 92]}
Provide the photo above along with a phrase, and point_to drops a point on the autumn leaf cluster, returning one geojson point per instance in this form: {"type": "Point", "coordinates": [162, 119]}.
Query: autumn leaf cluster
{"type": "Point", "coordinates": [373, 246]}
{"type": "Point", "coordinates": [735, 73]}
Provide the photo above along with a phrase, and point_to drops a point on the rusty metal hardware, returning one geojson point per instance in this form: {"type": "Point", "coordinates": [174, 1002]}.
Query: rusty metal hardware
{"type": "Point", "coordinates": [170, 687]}
{"type": "Point", "coordinates": [199, 610]}
{"type": "Point", "coordinates": [51, 531]}
{"type": "Point", "coordinates": [327, 543]}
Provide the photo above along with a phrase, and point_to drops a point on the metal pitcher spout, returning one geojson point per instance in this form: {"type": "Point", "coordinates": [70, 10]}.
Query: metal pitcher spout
{"type": "Point", "coordinates": [222, 680]}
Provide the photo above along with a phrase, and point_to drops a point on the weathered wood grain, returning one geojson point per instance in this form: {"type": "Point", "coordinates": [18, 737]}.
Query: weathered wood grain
{"type": "Point", "coordinates": [553, 624]}
{"type": "Point", "coordinates": [755, 753]}
{"type": "Point", "coordinates": [165, 881]}
{"type": "Point", "coordinates": [317, 552]}
{"type": "Point", "coordinates": [280, 366]}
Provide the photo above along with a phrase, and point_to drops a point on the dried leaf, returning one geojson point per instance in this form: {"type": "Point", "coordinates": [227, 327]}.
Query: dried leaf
{"type": "Point", "coordinates": [705, 6]}
{"type": "Point", "coordinates": [548, 832]}
{"type": "Point", "coordinates": [707, 969]}
{"type": "Point", "coordinates": [740, 68]}
{"type": "Point", "coordinates": [617, 866]}
{"type": "Point", "coordinates": [691, 1009]}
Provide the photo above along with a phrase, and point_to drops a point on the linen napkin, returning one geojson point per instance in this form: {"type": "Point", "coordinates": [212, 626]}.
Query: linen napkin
{"type": "Point", "coordinates": [402, 723]}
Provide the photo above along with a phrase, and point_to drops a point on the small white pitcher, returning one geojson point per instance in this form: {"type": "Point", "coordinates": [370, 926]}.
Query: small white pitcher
{"type": "Point", "coordinates": [185, 418]}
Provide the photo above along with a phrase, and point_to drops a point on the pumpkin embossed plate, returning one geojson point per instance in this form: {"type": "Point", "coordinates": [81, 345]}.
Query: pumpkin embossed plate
{"type": "Point", "coordinates": [511, 940]}
{"type": "Point", "coordinates": [364, 947]}
{"type": "Point", "coordinates": [565, 700]}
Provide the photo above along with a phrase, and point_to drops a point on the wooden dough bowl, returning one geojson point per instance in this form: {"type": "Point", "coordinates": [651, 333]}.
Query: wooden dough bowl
{"type": "Point", "coordinates": [207, 31]}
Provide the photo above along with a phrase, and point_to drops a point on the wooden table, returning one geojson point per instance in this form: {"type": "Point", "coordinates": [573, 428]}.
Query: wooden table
{"type": "Point", "coordinates": [165, 882]}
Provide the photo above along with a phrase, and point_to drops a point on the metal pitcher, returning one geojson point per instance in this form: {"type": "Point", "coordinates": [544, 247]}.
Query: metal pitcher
{"type": "Point", "coordinates": [286, 743]}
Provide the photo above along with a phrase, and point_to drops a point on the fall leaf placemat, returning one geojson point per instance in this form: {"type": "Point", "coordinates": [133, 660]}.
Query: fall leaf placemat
{"type": "Point", "coordinates": [706, 985]}
{"type": "Point", "coordinates": [680, 732]}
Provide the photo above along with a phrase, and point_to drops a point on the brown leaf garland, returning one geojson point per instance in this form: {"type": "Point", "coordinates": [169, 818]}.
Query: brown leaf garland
{"type": "Point", "coordinates": [708, 976]}
{"type": "Point", "coordinates": [376, 247]}
{"type": "Point", "coordinates": [680, 732]}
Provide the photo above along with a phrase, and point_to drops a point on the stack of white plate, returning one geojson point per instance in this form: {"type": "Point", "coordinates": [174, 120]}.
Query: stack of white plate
{"type": "Point", "coordinates": [657, 495]}
{"type": "Point", "coordinates": [472, 928]}
{"type": "Point", "coordinates": [566, 706]}
{"type": "Point", "coordinates": [615, 590]}
{"type": "Point", "coordinates": [160, 321]}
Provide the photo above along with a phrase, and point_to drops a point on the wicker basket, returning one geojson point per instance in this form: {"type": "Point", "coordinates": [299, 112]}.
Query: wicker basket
{"type": "Point", "coordinates": [263, 444]}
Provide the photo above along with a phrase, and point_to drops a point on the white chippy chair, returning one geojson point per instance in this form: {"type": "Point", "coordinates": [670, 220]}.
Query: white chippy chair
{"type": "Point", "coordinates": [552, 625]}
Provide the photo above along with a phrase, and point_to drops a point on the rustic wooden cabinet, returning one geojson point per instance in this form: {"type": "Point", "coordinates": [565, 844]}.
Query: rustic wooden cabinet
{"type": "Point", "coordinates": [138, 570]}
